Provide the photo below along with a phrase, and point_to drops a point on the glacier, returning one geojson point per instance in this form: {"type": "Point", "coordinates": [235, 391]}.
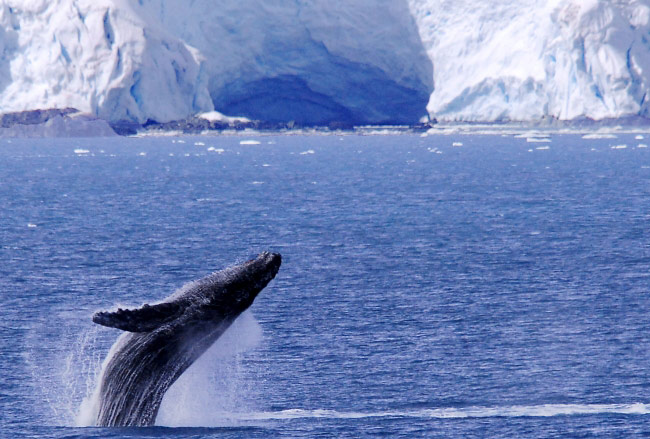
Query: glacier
{"type": "Point", "coordinates": [326, 63]}
{"type": "Point", "coordinates": [527, 60]}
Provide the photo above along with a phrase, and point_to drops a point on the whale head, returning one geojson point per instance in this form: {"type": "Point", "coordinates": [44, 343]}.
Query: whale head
{"type": "Point", "coordinates": [235, 288]}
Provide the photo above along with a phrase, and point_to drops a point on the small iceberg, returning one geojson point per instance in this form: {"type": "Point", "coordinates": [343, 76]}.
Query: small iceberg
{"type": "Point", "coordinates": [309, 151]}
{"type": "Point", "coordinates": [623, 146]}
{"type": "Point", "coordinates": [81, 151]}
{"type": "Point", "coordinates": [249, 142]}
{"type": "Point", "coordinates": [538, 139]}
{"type": "Point", "coordinates": [593, 136]}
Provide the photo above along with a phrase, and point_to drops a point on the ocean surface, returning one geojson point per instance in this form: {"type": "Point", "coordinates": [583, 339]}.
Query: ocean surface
{"type": "Point", "coordinates": [443, 286]}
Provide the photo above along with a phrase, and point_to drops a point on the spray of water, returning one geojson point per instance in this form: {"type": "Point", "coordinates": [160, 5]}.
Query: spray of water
{"type": "Point", "coordinates": [218, 383]}
{"type": "Point", "coordinates": [61, 378]}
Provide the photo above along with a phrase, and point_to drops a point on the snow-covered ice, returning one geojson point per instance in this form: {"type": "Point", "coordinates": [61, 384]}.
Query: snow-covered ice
{"type": "Point", "coordinates": [362, 62]}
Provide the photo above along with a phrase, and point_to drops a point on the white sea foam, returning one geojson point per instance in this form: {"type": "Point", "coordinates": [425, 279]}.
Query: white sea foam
{"type": "Point", "coordinates": [220, 417]}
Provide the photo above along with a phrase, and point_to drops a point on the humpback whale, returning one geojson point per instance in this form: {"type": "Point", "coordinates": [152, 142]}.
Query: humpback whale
{"type": "Point", "coordinates": [162, 340]}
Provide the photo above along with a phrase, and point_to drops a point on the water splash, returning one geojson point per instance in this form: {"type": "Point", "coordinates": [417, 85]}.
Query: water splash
{"type": "Point", "coordinates": [217, 383]}
{"type": "Point", "coordinates": [62, 377]}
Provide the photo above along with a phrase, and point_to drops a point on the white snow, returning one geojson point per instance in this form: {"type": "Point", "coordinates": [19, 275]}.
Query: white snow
{"type": "Point", "coordinates": [362, 62]}
{"type": "Point", "coordinates": [525, 60]}
{"type": "Point", "coordinates": [215, 116]}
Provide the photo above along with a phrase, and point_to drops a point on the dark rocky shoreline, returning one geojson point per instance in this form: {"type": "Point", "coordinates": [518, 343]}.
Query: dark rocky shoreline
{"type": "Point", "coordinates": [70, 122]}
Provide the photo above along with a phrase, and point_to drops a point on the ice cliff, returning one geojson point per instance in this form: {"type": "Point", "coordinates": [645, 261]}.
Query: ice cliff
{"type": "Point", "coordinates": [503, 60]}
{"type": "Point", "coordinates": [322, 61]}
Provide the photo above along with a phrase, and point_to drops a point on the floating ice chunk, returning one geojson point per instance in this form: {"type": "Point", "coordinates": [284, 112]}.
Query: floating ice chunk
{"type": "Point", "coordinates": [31, 225]}
{"type": "Point", "coordinates": [537, 139]}
{"type": "Point", "coordinates": [642, 145]}
{"type": "Point", "coordinates": [528, 134]}
{"type": "Point", "coordinates": [309, 151]}
{"type": "Point", "coordinates": [542, 148]}
{"type": "Point", "coordinates": [249, 142]}
{"type": "Point", "coordinates": [639, 137]}
{"type": "Point", "coordinates": [142, 154]}
{"type": "Point", "coordinates": [257, 182]}
{"type": "Point", "coordinates": [457, 144]}
{"type": "Point", "coordinates": [622, 146]}
{"type": "Point", "coordinates": [265, 165]}
{"type": "Point", "coordinates": [199, 144]}
{"type": "Point", "coordinates": [530, 150]}
{"type": "Point", "coordinates": [438, 152]}
{"type": "Point", "coordinates": [180, 141]}
{"type": "Point", "coordinates": [599, 136]}
{"type": "Point", "coordinates": [81, 151]}
{"type": "Point", "coordinates": [217, 150]}
{"type": "Point", "coordinates": [424, 135]}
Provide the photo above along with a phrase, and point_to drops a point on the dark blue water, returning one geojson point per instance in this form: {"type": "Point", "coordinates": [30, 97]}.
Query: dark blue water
{"type": "Point", "coordinates": [489, 290]}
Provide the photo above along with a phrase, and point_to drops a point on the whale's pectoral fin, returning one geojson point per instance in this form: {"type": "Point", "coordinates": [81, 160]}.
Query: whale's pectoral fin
{"type": "Point", "coordinates": [144, 319]}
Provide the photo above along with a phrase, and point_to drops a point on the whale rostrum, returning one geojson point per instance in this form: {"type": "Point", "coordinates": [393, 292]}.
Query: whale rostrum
{"type": "Point", "coordinates": [164, 339]}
